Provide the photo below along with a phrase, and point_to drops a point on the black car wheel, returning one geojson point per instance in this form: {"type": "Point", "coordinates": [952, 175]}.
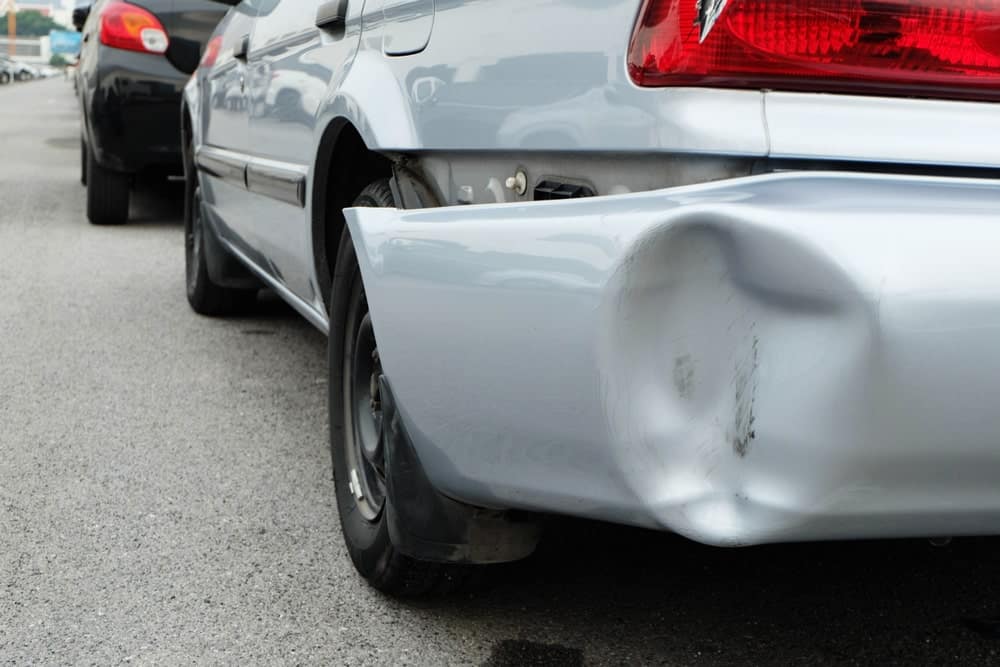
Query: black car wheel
{"type": "Point", "coordinates": [4, 77]}
{"type": "Point", "coordinates": [355, 434]}
{"type": "Point", "coordinates": [107, 193]}
{"type": "Point", "coordinates": [83, 161]}
{"type": "Point", "coordinates": [204, 296]}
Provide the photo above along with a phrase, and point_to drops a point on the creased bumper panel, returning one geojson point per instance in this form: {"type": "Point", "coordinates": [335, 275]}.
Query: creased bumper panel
{"type": "Point", "coordinates": [795, 356]}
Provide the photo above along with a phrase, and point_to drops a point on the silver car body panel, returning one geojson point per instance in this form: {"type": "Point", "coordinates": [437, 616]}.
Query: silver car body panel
{"type": "Point", "coordinates": [409, 24]}
{"type": "Point", "coordinates": [898, 131]}
{"type": "Point", "coordinates": [749, 360]}
{"type": "Point", "coordinates": [561, 84]}
{"type": "Point", "coordinates": [780, 357]}
{"type": "Point", "coordinates": [560, 87]}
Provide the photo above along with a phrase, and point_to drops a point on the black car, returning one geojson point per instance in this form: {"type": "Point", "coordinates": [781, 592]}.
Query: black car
{"type": "Point", "coordinates": [135, 59]}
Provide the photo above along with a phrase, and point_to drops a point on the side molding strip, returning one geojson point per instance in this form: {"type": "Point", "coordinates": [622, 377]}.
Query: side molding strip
{"type": "Point", "coordinates": [227, 165]}
{"type": "Point", "coordinates": [270, 178]}
{"type": "Point", "coordinates": [278, 180]}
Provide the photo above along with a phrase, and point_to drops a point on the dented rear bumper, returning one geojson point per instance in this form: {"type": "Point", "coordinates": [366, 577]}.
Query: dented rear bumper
{"type": "Point", "coordinates": [782, 357]}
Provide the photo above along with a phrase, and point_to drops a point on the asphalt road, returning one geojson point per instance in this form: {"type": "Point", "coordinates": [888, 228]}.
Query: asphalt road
{"type": "Point", "coordinates": [165, 493]}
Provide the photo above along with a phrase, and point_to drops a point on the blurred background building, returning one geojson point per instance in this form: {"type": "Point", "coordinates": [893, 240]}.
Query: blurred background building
{"type": "Point", "coordinates": [39, 29]}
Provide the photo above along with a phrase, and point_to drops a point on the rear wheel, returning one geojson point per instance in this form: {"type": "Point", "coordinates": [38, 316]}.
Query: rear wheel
{"type": "Point", "coordinates": [205, 296]}
{"type": "Point", "coordinates": [83, 161]}
{"type": "Point", "coordinates": [107, 193]}
{"type": "Point", "coordinates": [356, 441]}
{"type": "Point", "coordinates": [4, 77]}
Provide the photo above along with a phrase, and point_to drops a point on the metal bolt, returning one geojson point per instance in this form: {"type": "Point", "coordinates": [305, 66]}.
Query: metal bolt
{"type": "Point", "coordinates": [518, 182]}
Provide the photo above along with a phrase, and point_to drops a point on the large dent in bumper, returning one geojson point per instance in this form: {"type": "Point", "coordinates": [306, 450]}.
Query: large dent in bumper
{"type": "Point", "coordinates": [797, 356]}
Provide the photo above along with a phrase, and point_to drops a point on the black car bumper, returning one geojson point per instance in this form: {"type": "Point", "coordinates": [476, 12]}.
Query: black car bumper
{"type": "Point", "coordinates": [132, 111]}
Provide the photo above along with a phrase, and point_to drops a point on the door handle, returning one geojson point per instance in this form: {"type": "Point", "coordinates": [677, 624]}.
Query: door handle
{"type": "Point", "coordinates": [332, 14]}
{"type": "Point", "coordinates": [241, 47]}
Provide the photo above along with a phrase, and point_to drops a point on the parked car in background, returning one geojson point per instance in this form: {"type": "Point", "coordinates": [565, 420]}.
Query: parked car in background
{"type": "Point", "coordinates": [721, 268]}
{"type": "Point", "coordinates": [6, 73]}
{"type": "Point", "coordinates": [21, 71]}
{"type": "Point", "coordinates": [134, 61]}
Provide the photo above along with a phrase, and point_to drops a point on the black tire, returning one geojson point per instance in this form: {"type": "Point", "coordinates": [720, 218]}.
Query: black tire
{"type": "Point", "coordinates": [4, 78]}
{"type": "Point", "coordinates": [83, 161]}
{"type": "Point", "coordinates": [204, 296]}
{"type": "Point", "coordinates": [107, 194]}
{"type": "Point", "coordinates": [367, 537]}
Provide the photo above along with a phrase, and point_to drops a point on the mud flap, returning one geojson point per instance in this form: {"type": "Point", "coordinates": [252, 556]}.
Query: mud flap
{"type": "Point", "coordinates": [427, 525]}
{"type": "Point", "coordinates": [223, 268]}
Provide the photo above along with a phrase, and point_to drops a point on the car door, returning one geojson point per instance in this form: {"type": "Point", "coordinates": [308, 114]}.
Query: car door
{"type": "Point", "coordinates": [225, 135]}
{"type": "Point", "coordinates": [297, 51]}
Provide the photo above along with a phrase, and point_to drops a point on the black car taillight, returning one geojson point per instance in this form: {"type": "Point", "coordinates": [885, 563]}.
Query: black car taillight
{"type": "Point", "coordinates": [130, 27]}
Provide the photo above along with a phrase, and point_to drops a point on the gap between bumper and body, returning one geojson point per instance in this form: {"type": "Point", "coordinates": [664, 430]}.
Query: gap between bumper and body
{"type": "Point", "coordinates": [779, 357]}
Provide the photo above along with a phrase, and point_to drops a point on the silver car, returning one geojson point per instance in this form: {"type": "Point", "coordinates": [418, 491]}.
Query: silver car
{"type": "Point", "coordinates": [724, 268]}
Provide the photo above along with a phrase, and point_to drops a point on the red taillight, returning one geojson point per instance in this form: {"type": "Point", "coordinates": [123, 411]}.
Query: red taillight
{"type": "Point", "coordinates": [211, 51]}
{"type": "Point", "coordinates": [935, 48]}
{"type": "Point", "coordinates": [126, 26]}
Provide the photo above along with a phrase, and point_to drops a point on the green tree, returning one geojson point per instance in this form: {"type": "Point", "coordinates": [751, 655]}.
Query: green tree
{"type": "Point", "coordinates": [30, 24]}
{"type": "Point", "coordinates": [57, 60]}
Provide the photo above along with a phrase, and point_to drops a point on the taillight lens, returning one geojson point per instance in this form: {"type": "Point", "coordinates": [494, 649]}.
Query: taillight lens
{"type": "Point", "coordinates": [127, 26]}
{"type": "Point", "coordinates": [931, 48]}
{"type": "Point", "coordinates": [211, 51]}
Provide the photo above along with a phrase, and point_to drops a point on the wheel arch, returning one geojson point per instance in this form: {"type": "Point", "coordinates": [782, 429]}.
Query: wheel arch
{"type": "Point", "coordinates": [187, 135]}
{"type": "Point", "coordinates": [190, 109]}
{"type": "Point", "coordinates": [344, 166]}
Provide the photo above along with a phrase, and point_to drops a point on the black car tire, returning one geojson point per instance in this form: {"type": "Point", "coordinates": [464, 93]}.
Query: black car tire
{"type": "Point", "coordinates": [4, 77]}
{"type": "Point", "coordinates": [107, 194]}
{"type": "Point", "coordinates": [204, 296]}
{"type": "Point", "coordinates": [367, 539]}
{"type": "Point", "coordinates": [83, 161]}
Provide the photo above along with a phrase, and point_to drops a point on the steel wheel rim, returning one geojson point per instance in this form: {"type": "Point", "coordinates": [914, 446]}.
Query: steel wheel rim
{"type": "Point", "coordinates": [363, 412]}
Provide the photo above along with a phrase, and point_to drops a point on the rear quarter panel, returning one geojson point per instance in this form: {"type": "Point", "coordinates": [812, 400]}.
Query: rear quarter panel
{"type": "Point", "coordinates": [523, 75]}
